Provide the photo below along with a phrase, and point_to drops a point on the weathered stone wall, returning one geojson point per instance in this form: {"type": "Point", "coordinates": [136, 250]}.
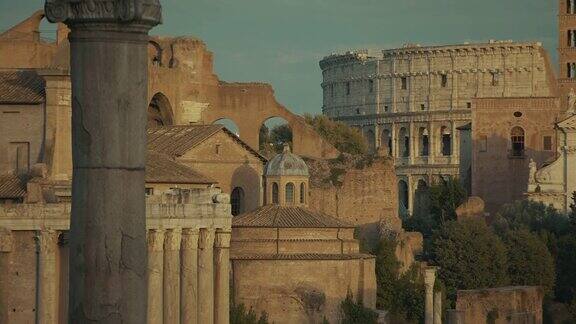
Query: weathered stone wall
{"type": "Point", "coordinates": [302, 291]}
{"type": "Point", "coordinates": [362, 195]}
{"type": "Point", "coordinates": [499, 177]}
{"type": "Point", "coordinates": [504, 305]}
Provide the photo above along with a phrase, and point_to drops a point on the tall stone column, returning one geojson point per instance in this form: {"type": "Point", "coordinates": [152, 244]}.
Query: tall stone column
{"type": "Point", "coordinates": [172, 276]}
{"type": "Point", "coordinates": [47, 302]}
{"type": "Point", "coordinates": [437, 307]}
{"type": "Point", "coordinates": [206, 276]}
{"type": "Point", "coordinates": [155, 276]}
{"type": "Point", "coordinates": [189, 275]}
{"type": "Point", "coordinates": [222, 277]}
{"type": "Point", "coordinates": [429, 278]}
{"type": "Point", "coordinates": [108, 62]}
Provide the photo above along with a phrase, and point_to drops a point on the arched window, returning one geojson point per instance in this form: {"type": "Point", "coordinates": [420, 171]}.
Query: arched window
{"type": "Point", "coordinates": [274, 193]}
{"type": "Point", "coordinates": [517, 138]}
{"type": "Point", "coordinates": [424, 142]}
{"type": "Point", "coordinates": [289, 193]}
{"type": "Point", "coordinates": [237, 201]}
{"type": "Point", "coordinates": [446, 141]}
{"type": "Point", "coordinates": [386, 141]}
{"type": "Point", "coordinates": [403, 197]}
{"type": "Point", "coordinates": [302, 193]}
{"type": "Point", "coordinates": [404, 142]}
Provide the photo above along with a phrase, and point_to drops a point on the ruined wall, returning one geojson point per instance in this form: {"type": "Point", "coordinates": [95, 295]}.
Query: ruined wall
{"type": "Point", "coordinates": [521, 304]}
{"type": "Point", "coordinates": [302, 291]}
{"type": "Point", "coordinates": [498, 176]}
{"type": "Point", "coordinates": [362, 195]}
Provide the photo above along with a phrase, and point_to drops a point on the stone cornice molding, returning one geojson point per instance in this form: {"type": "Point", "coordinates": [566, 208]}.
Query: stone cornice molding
{"type": "Point", "coordinates": [83, 13]}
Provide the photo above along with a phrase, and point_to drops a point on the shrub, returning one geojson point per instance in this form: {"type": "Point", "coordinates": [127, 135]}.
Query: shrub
{"type": "Point", "coordinates": [566, 269]}
{"type": "Point", "coordinates": [356, 313]}
{"type": "Point", "coordinates": [239, 315]}
{"type": "Point", "coordinates": [344, 138]}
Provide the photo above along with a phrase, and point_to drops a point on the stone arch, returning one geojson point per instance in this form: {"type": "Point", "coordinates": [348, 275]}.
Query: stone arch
{"type": "Point", "coordinates": [155, 52]}
{"type": "Point", "coordinates": [229, 124]}
{"type": "Point", "coordinates": [403, 142]}
{"type": "Point", "coordinates": [275, 193]}
{"type": "Point", "coordinates": [160, 111]}
{"type": "Point", "coordinates": [517, 140]}
{"type": "Point", "coordinates": [386, 141]}
{"type": "Point", "coordinates": [302, 193]}
{"type": "Point", "coordinates": [403, 197]}
{"type": "Point", "coordinates": [370, 139]}
{"type": "Point", "coordinates": [289, 192]}
{"type": "Point", "coordinates": [423, 141]}
{"type": "Point", "coordinates": [421, 197]}
{"type": "Point", "coordinates": [446, 141]}
{"type": "Point", "coordinates": [273, 133]}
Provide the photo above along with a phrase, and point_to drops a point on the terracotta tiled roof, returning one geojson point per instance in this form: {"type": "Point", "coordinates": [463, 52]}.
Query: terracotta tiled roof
{"type": "Point", "coordinates": [287, 216]}
{"type": "Point", "coordinates": [161, 168]}
{"type": "Point", "coordinates": [177, 140]}
{"type": "Point", "coordinates": [306, 256]}
{"type": "Point", "coordinates": [11, 187]}
{"type": "Point", "coordinates": [21, 87]}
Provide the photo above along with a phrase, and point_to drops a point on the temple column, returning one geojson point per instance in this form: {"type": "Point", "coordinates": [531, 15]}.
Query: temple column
{"type": "Point", "coordinates": [189, 275]}
{"type": "Point", "coordinates": [155, 275]}
{"type": "Point", "coordinates": [438, 307]}
{"type": "Point", "coordinates": [206, 276]}
{"type": "Point", "coordinates": [429, 278]}
{"type": "Point", "coordinates": [109, 75]}
{"type": "Point", "coordinates": [172, 240]}
{"type": "Point", "coordinates": [222, 277]}
{"type": "Point", "coordinates": [47, 302]}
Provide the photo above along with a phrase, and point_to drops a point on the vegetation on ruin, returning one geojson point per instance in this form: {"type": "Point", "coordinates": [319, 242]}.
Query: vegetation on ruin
{"type": "Point", "coordinates": [240, 315]}
{"type": "Point", "coordinates": [344, 138]}
{"type": "Point", "coordinates": [470, 256]}
{"type": "Point", "coordinates": [402, 295]}
{"type": "Point", "coordinates": [271, 141]}
{"type": "Point", "coordinates": [354, 312]}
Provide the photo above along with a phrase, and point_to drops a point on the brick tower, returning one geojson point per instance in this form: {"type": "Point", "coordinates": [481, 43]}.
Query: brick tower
{"type": "Point", "coordinates": [567, 48]}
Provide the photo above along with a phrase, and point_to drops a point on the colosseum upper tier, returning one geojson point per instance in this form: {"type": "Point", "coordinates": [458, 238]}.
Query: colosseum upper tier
{"type": "Point", "coordinates": [411, 101]}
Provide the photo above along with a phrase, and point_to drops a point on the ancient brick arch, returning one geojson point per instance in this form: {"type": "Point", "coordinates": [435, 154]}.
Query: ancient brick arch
{"type": "Point", "coordinates": [160, 112]}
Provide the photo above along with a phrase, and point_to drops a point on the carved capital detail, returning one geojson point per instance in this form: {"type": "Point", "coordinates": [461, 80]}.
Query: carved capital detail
{"type": "Point", "coordinates": [206, 239]}
{"type": "Point", "coordinates": [155, 240]}
{"type": "Point", "coordinates": [222, 239]}
{"type": "Point", "coordinates": [190, 238]}
{"type": "Point", "coordinates": [47, 241]}
{"type": "Point", "coordinates": [146, 12]}
{"type": "Point", "coordinates": [172, 239]}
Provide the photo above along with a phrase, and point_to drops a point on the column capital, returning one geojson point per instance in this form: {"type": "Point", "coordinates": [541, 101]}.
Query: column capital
{"type": "Point", "coordinates": [206, 239]}
{"type": "Point", "coordinates": [190, 238]}
{"type": "Point", "coordinates": [222, 238]}
{"type": "Point", "coordinates": [6, 240]}
{"type": "Point", "coordinates": [47, 240]}
{"type": "Point", "coordinates": [155, 240]}
{"type": "Point", "coordinates": [430, 276]}
{"type": "Point", "coordinates": [172, 239]}
{"type": "Point", "coordinates": [80, 13]}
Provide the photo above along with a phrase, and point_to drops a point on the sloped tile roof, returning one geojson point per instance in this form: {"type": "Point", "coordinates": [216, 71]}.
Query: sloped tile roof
{"type": "Point", "coordinates": [160, 168]}
{"type": "Point", "coordinates": [177, 140]}
{"type": "Point", "coordinates": [306, 256]}
{"type": "Point", "coordinates": [21, 87]}
{"type": "Point", "coordinates": [11, 187]}
{"type": "Point", "coordinates": [287, 217]}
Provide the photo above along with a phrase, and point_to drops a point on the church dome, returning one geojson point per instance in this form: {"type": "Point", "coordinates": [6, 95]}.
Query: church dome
{"type": "Point", "coordinates": [286, 164]}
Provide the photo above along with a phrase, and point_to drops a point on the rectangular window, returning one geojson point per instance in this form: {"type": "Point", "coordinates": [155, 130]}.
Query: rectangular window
{"type": "Point", "coordinates": [495, 78]}
{"type": "Point", "coordinates": [20, 156]}
{"type": "Point", "coordinates": [444, 81]}
{"type": "Point", "coordinates": [547, 143]}
{"type": "Point", "coordinates": [571, 70]}
{"type": "Point", "coordinates": [483, 143]}
{"type": "Point", "coordinates": [347, 88]}
{"type": "Point", "coordinates": [422, 107]}
{"type": "Point", "coordinates": [468, 105]}
{"type": "Point", "coordinates": [404, 83]}
{"type": "Point", "coordinates": [570, 6]}
{"type": "Point", "coordinates": [217, 149]}
{"type": "Point", "coordinates": [371, 85]}
{"type": "Point", "coordinates": [149, 191]}
{"type": "Point", "coordinates": [385, 108]}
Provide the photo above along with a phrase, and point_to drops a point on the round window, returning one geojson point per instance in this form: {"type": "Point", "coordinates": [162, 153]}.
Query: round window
{"type": "Point", "coordinates": [517, 114]}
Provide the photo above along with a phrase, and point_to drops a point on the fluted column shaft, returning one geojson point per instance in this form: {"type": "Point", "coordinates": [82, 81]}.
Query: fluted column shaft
{"type": "Point", "coordinates": [172, 241]}
{"type": "Point", "coordinates": [189, 275]}
{"type": "Point", "coordinates": [47, 279]}
{"type": "Point", "coordinates": [429, 278]}
{"type": "Point", "coordinates": [206, 276]}
{"type": "Point", "coordinates": [222, 277]}
{"type": "Point", "coordinates": [155, 276]}
{"type": "Point", "coordinates": [438, 307]}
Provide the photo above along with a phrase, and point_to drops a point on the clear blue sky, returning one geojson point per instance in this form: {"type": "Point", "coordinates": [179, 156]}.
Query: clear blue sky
{"type": "Point", "coordinates": [281, 41]}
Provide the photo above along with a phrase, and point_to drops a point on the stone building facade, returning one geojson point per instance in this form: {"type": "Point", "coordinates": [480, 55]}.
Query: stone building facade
{"type": "Point", "coordinates": [188, 263]}
{"type": "Point", "coordinates": [294, 263]}
{"type": "Point", "coordinates": [411, 100]}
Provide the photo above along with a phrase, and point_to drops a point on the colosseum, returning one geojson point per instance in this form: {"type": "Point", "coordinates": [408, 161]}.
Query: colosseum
{"type": "Point", "coordinates": [412, 101]}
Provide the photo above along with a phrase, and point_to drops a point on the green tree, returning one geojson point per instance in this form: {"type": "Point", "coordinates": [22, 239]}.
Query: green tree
{"type": "Point", "coordinates": [534, 216]}
{"type": "Point", "coordinates": [529, 261]}
{"type": "Point", "coordinates": [566, 269]}
{"type": "Point", "coordinates": [355, 313]}
{"type": "Point", "coordinates": [280, 135]}
{"type": "Point", "coordinates": [470, 256]}
{"type": "Point", "coordinates": [345, 138]}
{"type": "Point", "coordinates": [239, 315]}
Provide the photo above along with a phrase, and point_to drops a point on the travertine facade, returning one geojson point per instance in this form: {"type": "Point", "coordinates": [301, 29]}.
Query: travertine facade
{"type": "Point", "coordinates": [188, 238]}
{"type": "Point", "coordinates": [411, 100]}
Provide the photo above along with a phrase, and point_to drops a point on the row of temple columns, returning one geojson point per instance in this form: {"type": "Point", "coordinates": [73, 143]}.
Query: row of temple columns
{"type": "Point", "coordinates": [188, 276]}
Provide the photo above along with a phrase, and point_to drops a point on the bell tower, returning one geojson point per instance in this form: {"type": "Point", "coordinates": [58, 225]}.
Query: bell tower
{"type": "Point", "coordinates": [567, 48]}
